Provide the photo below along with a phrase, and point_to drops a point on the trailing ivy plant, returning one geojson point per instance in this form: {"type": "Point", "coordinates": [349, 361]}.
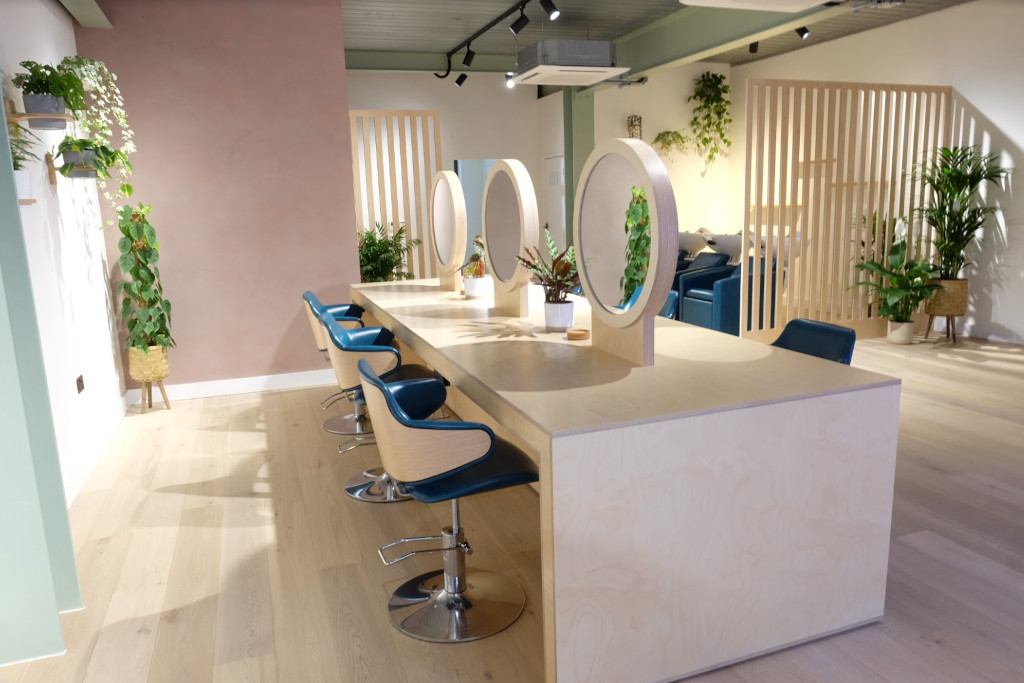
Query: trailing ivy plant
{"type": "Point", "coordinates": [104, 120]}
{"type": "Point", "coordinates": [382, 258]}
{"type": "Point", "coordinates": [145, 311]}
{"type": "Point", "coordinates": [638, 244]}
{"type": "Point", "coordinates": [710, 120]}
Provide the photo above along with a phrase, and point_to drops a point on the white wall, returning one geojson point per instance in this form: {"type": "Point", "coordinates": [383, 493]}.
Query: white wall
{"type": "Point", "coordinates": [481, 120]}
{"type": "Point", "coordinates": [67, 263]}
{"type": "Point", "coordinates": [976, 49]}
{"type": "Point", "coordinates": [701, 201]}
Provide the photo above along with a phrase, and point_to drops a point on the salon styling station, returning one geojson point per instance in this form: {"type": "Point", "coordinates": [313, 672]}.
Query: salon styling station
{"type": "Point", "coordinates": [704, 498]}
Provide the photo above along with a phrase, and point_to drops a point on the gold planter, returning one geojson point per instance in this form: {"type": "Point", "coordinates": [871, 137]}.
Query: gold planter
{"type": "Point", "coordinates": [949, 301]}
{"type": "Point", "coordinates": [148, 367]}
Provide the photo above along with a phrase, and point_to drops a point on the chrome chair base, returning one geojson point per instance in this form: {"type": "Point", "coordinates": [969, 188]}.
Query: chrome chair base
{"type": "Point", "coordinates": [374, 486]}
{"type": "Point", "coordinates": [422, 608]}
{"type": "Point", "coordinates": [348, 424]}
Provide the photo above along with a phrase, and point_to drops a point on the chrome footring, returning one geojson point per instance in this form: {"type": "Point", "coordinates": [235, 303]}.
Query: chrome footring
{"type": "Point", "coordinates": [356, 442]}
{"type": "Point", "coordinates": [330, 400]}
{"type": "Point", "coordinates": [375, 486]}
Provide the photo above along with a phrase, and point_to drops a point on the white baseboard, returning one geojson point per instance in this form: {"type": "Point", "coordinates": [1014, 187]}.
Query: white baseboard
{"type": "Point", "coordinates": [243, 385]}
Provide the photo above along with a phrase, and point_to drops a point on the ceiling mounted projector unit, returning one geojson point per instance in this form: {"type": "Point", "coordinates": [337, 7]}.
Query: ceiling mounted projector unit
{"type": "Point", "coordinates": [763, 5]}
{"type": "Point", "coordinates": [567, 62]}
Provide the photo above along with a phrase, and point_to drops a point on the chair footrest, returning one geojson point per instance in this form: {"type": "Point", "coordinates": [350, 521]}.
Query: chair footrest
{"type": "Point", "coordinates": [463, 546]}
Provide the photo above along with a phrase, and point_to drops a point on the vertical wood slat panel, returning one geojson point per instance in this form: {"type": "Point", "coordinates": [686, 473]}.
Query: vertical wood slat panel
{"type": "Point", "coordinates": [851, 148]}
{"type": "Point", "coordinates": [394, 159]}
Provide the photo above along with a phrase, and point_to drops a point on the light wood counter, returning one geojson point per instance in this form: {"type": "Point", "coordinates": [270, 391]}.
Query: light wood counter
{"type": "Point", "coordinates": [729, 500]}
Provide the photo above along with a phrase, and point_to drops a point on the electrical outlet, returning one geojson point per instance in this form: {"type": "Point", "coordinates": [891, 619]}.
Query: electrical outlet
{"type": "Point", "coordinates": [80, 382]}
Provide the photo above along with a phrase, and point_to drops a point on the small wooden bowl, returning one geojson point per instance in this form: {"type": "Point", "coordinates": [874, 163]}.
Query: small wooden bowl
{"type": "Point", "coordinates": [577, 334]}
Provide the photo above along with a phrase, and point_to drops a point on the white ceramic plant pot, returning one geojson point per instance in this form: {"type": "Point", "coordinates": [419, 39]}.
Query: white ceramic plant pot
{"type": "Point", "coordinates": [558, 317]}
{"type": "Point", "coordinates": [476, 287]}
{"type": "Point", "coordinates": [23, 181]}
{"type": "Point", "coordinates": [900, 333]}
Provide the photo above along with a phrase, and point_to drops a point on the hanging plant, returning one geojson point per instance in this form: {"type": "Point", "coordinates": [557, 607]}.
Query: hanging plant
{"type": "Point", "coordinates": [710, 120]}
{"type": "Point", "coordinates": [668, 140]}
{"type": "Point", "coordinates": [638, 244]}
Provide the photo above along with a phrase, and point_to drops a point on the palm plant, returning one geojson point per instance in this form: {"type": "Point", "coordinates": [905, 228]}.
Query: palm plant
{"type": "Point", "coordinates": [954, 176]}
{"type": "Point", "coordinates": [382, 257]}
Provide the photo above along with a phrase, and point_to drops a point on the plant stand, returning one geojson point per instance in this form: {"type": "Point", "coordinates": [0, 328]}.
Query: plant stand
{"type": "Point", "coordinates": [148, 368]}
{"type": "Point", "coordinates": [147, 395]}
{"type": "Point", "coordinates": [950, 326]}
{"type": "Point", "coordinates": [948, 302]}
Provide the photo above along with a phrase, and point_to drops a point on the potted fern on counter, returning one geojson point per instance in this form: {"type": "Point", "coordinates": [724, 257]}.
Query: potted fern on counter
{"type": "Point", "coordinates": [145, 311]}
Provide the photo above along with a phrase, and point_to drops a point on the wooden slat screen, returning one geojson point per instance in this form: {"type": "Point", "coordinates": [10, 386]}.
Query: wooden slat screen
{"type": "Point", "coordinates": [827, 175]}
{"type": "Point", "coordinates": [395, 155]}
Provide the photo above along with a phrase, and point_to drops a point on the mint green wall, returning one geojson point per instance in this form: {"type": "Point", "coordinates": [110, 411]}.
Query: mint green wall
{"type": "Point", "coordinates": [578, 120]}
{"type": "Point", "coordinates": [37, 573]}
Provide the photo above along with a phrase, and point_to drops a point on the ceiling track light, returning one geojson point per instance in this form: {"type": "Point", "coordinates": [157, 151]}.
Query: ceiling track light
{"type": "Point", "coordinates": [520, 23]}
{"type": "Point", "coordinates": [461, 79]}
{"type": "Point", "coordinates": [467, 61]}
{"type": "Point", "coordinates": [803, 32]}
{"type": "Point", "coordinates": [550, 9]}
{"type": "Point", "coordinates": [510, 79]}
{"type": "Point", "coordinates": [753, 48]}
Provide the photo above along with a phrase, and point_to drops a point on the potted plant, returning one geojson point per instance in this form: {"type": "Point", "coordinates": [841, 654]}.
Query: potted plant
{"type": "Point", "coordinates": [474, 271]}
{"type": "Point", "coordinates": [89, 158]}
{"type": "Point", "coordinates": [145, 311]}
{"type": "Point", "coordinates": [21, 154]}
{"type": "Point", "coordinates": [638, 244]}
{"type": "Point", "coordinates": [49, 90]}
{"type": "Point", "coordinates": [900, 285]}
{"type": "Point", "coordinates": [382, 258]}
{"type": "Point", "coordinates": [558, 276]}
{"type": "Point", "coordinates": [956, 212]}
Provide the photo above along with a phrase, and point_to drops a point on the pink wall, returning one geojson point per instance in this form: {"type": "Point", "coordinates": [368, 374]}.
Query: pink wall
{"type": "Point", "coordinates": [240, 111]}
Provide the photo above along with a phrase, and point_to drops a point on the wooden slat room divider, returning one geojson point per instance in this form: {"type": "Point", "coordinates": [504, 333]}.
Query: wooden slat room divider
{"type": "Point", "coordinates": [395, 155]}
{"type": "Point", "coordinates": [827, 176]}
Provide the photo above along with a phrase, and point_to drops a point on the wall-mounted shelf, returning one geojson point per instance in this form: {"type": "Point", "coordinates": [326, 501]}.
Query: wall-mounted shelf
{"type": "Point", "coordinates": [15, 115]}
{"type": "Point", "coordinates": [26, 202]}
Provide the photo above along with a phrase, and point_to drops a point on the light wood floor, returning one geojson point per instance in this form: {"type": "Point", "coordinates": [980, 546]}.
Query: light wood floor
{"type": "Point", "coordinates": [214, 543]}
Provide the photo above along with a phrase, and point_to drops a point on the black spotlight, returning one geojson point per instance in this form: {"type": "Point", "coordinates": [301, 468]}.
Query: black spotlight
{"type": "Point", "coordinates": [550, 8]}
{"type": "Point", "coordinates": [520, 23]}
{"type": "Point", "coordinates": [803, 32]}
{"type": "Point", "coordinates": [461, 79]}
{"type": "Point", "coordinates": [468, 59]}
{"type": "Point", "coordinates": [510, 80]}
{"type": "Point", "coordinates": [753, 48]}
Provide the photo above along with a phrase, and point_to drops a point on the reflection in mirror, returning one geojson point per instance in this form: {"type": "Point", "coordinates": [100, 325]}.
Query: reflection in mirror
{"type": "Point", "coordinates": [473, 175]}
{"type": "Point", "coordinates": [504, 225]}
{"type": "Point", "coordinates": [443, 222]}
{"type": "Point", "coordinates": [606, 197]}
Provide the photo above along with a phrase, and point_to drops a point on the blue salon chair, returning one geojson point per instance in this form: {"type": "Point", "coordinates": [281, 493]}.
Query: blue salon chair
{"type": "Point", "coordinates": [816, 338]}
{"type": "Point", "coordinates": [348, 315]}
{"type": "Point", "coordinates": [439, 461]}
{"type": "Point", "coordinates": [711, 298]}
{"type": "Point", "coordinates": [372, 345]}
{"type": "Point", "coordinates": [668, 309]}
{"type": "Point", "coordinates": [705, 259]}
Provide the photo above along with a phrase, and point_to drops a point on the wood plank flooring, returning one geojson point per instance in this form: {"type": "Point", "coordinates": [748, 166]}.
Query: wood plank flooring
{"type": "Point", "coordinates": [214, 543]}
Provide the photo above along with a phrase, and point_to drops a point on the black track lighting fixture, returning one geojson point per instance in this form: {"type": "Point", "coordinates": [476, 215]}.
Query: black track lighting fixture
{"type": "Point", "coordinates": [550, 9]}
{"type": "Point", "coordinates": [461, 79]}
{"type": "Point", "coordinates": [520, 23]}
{"type": "Point", "coordinates": [753, 48]}
{"type": "Point", "coordinates": [468, 59]}
{"type": "Point", "coordinates": [803, 32]}
{"type": "Point", "coordinates": [510, 80]}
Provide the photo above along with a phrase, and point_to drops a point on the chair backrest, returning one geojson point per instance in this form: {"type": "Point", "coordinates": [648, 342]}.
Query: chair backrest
{"type": "Point", "coordinates": [708, 259]}
{"type": "Point", "coordinates": [346, 352]}
{"type": "Point", "coordinates": [414, 450]}
{"type": "Point", "coordinates": [671, 304]}
{"type": "Point", "coordinates": [632, 299]}
{"type": "Point", "coordinates": [816, 338]}
{"type": "Point", "coordinates": [313, 310]}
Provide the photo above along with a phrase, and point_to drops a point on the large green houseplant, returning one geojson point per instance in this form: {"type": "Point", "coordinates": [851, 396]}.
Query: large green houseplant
{"type": "Point", "coordinates": [638, 244]}
{"type": "Point", "coordinates": [382, 257]}
{"type": "Point", "coordinates": [144, 309]}
{"type": "Point", "coordinates": [955, 211]}
{"type": "Point", "coordinates": [900, 285]}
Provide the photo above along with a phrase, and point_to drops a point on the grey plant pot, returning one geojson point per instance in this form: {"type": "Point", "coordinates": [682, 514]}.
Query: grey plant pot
{"type": "Point", "coordinates": [80, 159]}
{"type": "Point", "coordinates": [45, 104]}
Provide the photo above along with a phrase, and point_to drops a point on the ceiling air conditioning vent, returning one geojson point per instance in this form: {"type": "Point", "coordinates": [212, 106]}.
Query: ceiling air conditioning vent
{"type": "Point", "coordinates": [763, 5]}
{"type": "Point", "coordinates": [567, 62]}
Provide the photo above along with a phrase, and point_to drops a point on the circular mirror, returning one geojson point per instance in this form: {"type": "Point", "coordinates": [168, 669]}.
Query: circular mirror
{"type": "Point", "coordinates": [510, 222]}
{"type": "Point", "coordinates": [448, 221]}
{"type": "Point", "coordinates": [604, 194]}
